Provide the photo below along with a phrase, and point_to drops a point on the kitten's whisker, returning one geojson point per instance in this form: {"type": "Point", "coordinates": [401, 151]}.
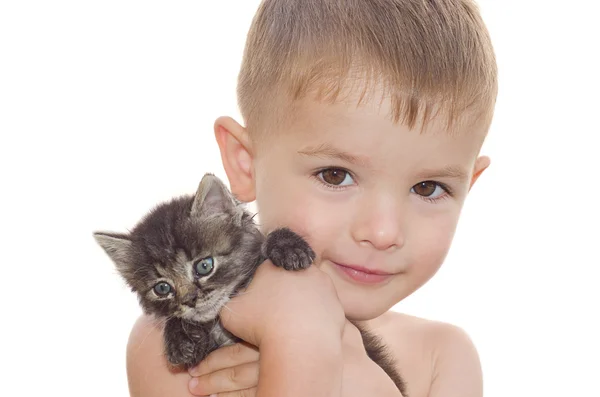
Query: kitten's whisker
{"type": "Point", "coordinates": [239, 293]}
{"type": "Point", "coordinates": [155, 325]}
{"type": "Point", "coordinates": [231, 310]}
{"type": "Point", "coordinates": [215, 324]}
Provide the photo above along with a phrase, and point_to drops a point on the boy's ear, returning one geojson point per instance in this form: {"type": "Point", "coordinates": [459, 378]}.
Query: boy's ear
{"type": "Point", "coordinates": [481, 165]}
{"type": "Point", "coordinates": [236, 156]}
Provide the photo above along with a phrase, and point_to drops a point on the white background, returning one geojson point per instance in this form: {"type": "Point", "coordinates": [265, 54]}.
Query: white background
{"type": "Point", "coordinates": [106, 108]}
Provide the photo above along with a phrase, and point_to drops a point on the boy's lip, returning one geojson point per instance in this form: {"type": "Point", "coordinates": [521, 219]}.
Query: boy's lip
{"type": "Point", "coordinates": [364, 269]}
{"type": "Point", "coordinates": [362, 274]}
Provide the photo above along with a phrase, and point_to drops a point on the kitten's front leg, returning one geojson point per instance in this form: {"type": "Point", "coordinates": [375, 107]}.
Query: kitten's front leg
{"type": "Point", "coordinates": [288, 250]}
{"type": "Point", "coordinates": [181, 349]}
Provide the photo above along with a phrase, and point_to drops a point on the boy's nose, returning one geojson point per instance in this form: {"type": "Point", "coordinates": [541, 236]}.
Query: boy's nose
{"type": "Point", "coordinates": [378, 226]}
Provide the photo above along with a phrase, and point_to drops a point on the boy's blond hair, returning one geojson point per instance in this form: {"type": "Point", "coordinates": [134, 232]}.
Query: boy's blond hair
{"type": "Point", "coordinates": [427, 56]}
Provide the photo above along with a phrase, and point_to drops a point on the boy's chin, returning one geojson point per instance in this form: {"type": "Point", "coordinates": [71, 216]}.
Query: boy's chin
{"type": "Point", "coordinates": [360, 302]}
{"type": "Point", "coordinates": [363, 310]}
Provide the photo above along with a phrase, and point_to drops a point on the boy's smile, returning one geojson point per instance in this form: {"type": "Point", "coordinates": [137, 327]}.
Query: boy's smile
{"type": "Point", "coordinates": [378, 203]}
{"type": "Point", "coordinates": [362, 274]}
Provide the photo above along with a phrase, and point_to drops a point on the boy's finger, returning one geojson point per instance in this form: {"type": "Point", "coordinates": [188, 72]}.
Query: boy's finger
{"type": "Point", "coordinates": [233, 379]}
{"type": "Point", "coordinates": [228, 356]}
{"type": "Point", "coordinates": [240, 393]}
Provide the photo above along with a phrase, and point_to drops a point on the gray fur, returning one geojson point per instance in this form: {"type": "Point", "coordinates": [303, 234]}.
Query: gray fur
{"type": "Point", "coordinates": [174, 236]}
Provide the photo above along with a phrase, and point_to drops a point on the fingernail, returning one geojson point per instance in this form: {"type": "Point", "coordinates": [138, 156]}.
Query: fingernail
{"type": "Point", "coordinates": [193, 371]}
{"type": "Point", "coordinates": [193, 383]}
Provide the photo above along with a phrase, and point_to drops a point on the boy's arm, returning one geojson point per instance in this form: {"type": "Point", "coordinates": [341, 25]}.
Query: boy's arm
{"type": "Point", "coordinates": [313, 366]}
{"type": "Point", "coordinates": [456, 365]}
{"type": "Point", "coordinates": [297, 321]}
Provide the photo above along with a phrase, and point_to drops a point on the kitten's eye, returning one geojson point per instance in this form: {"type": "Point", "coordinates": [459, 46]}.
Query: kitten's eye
{"type": "Point", "coordinates": [204, 266]}
{"type": "Point", "coordinates": [336, 177]}
{"type": "Point", "coordinates": [428, 189]}
{"type": "Point", "coordinates": [162, 289]}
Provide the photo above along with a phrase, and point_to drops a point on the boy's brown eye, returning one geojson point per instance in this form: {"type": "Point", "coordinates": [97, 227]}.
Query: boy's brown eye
{"type": "Point", "coordinates": [426, 188]}
{"type": "Point", "coordinates": [335, 176]}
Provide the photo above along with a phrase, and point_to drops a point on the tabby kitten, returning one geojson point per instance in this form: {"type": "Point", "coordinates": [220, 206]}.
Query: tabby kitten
{"type": "Point", "coordinates": [188, 257]}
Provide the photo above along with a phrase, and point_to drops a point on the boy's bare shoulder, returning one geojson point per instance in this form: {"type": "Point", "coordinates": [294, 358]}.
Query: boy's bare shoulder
{"type": "Point", "coordinates": [434, 357]}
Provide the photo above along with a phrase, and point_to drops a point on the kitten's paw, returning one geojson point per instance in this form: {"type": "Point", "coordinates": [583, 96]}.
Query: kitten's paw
{"type": "Point", "coordinates": [181, 354]}
{"type": "Point", "coordinates": [288, 250]}
{"type": "Point", "coordinates": [180, 350]}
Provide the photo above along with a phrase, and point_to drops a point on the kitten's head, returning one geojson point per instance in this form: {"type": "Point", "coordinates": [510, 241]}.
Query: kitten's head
{"type": "Point", "coordinates": [187, 256]}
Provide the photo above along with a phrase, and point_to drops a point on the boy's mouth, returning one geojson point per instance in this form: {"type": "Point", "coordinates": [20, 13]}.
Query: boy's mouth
{"type": "Point", "coordinates": [362, 274]}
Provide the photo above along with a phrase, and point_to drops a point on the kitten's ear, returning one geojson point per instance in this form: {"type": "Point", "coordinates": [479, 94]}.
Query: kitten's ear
{"type": "Point", "coordinates": [118, 248]}
{"type": "Point", "coordinates": [212, 197]}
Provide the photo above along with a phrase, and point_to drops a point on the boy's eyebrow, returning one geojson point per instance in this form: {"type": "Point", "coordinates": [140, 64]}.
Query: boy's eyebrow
{"type": "Point", "coordinates": [449, 171]}
{"type": "Point", "coordinates": [328, 151]}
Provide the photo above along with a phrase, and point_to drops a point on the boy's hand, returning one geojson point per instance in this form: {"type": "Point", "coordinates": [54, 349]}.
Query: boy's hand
{"type": "Point", "coordinates": [230, 371]}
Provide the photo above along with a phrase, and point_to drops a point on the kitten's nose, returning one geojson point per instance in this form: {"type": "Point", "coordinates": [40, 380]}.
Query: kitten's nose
{"type": "Point", "coordinates": [190, 299]}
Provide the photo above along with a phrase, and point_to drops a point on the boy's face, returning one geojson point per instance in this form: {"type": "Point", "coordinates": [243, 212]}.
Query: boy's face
{"type": "Point", "coordinates": [378, 203]}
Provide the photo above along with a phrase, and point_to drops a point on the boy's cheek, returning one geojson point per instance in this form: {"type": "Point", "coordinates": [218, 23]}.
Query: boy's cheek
{"type": "Point", "coordinates": [431, 247]}
{"type": "Point", "coordinates": [316, 221]}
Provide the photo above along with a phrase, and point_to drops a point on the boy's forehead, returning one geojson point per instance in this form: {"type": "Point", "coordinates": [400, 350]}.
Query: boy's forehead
{"type": "Point", "coordinates": [309, 114]}
{"type": "Point", "coordinates": [365, 135]}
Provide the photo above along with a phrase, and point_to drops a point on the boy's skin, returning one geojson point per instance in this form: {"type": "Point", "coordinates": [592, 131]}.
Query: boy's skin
{"type": "Point", "coordinates": [379, 218]}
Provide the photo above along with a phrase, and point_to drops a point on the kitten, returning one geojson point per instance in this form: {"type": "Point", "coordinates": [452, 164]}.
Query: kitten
{"type": "Point", "coordinates": [189, 256]}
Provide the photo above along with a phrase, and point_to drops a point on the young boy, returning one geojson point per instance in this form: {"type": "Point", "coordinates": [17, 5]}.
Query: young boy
{"type": "Point", "coordinates": [363, 125]}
